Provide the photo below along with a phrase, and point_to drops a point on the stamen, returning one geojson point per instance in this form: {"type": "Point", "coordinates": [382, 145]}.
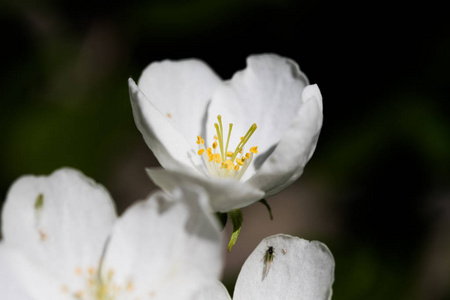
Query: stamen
{"type": "Point", "coordinates": [200, 141]}
{"type": "Point", "coordinates": [228, 138]}
{"type": "Point", "coordinates": [226, 163]}
{"type": "Point", "coordinates": [244, 140]}
{"type": "Point", "coordinates": [219, 130]}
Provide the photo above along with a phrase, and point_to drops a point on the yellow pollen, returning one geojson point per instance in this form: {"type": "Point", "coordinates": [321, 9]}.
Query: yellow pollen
{"type": "Point", "coordinates": [78, 271]}
{"type": "Point", "coordinates": [79, 294]}
{"type": "Point", "coordinates": [200, 140]}
{"type": "Point", "coordinates": [229, 164]}
{"type": "Point", "coordinates": [224, 162]}
{"type": "Point", "coordinates": [91, 271]}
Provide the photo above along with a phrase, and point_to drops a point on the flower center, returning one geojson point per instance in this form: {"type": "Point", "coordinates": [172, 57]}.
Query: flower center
{"type": "Point", "coordinates": [223, 163]}
{"type": "Point", "coordinates": [97, 288]}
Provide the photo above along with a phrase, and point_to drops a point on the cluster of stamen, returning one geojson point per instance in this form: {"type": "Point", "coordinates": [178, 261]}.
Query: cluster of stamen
{"type": "Point", "coordinates": [223, 163]}
{"type": "Point", "coordinates": [98, 288]}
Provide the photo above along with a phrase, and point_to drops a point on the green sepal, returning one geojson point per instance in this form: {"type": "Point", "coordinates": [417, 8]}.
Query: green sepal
{"type": "Point", "coordinates": [264, 202]}
{"type": "Point", "coordinates": [236, 220]}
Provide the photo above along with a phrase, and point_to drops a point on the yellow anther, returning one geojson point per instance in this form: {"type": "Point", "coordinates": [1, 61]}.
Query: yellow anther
{"type": "Point", "coordinates": [228, 164]}
{"type": "Point", "coordinates": [110, 274]}
{"type": "Point", "coordinates": [91, 271]}
{"type": "Point", "coordinates": [130, 286]}
{"type": "Point", "coordinates": [79, 294]}
{"type": "Point", "coordinates": [78, 271]}
{"type": "Point", "coordinates": [200, 140]}
{"type": "Point", "coordinates": [220, 161]}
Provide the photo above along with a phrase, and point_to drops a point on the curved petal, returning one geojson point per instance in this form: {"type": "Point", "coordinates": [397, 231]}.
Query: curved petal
{"type": "Point", "coordinates": [11, 286]}
{"type": "Point", "coordinates": [22, 278]}
{"type": "Point", "coordinates": [268, 92]}
{"type": "Point", "coordinates": [167, 247]}
{"type": "Point", "coordinates": [60, 223]}
{"type": "Point", "coordinates": [290, 156]}
{"type": "Point", "coordinates": [167, 143]}
{"type": "Point", "coordinates": [224, 194]}
{"type": "Point", "coordinates": [215, 291]}
{"type": "Point", "coordinates": [299, 270]}
{"type": "Point", "coordinates": [181, 91]}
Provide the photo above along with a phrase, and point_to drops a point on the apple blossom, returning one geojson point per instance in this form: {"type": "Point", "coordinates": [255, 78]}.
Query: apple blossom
{"type": "Point", "coordinates": [242, 139]}
{"type": "Point", "coordinates": [62, 240]}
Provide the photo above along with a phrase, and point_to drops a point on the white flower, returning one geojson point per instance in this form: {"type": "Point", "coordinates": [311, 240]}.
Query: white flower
{"type": "Point", "coordinates": [281, 267]}
{"type": "Point", "coordinates": [62, 240]}
{"type": "Point", "coordinates": [176, 104]}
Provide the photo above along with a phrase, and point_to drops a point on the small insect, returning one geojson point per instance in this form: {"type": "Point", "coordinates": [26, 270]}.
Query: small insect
{"type": "Point", "coordinates": [284, 250]}
{"type": "Point", "coordinates": [268, 259]}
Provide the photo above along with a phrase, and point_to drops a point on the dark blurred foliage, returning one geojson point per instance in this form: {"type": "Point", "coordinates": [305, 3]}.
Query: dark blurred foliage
{"type": "Point", "coordinates": [383, 155]}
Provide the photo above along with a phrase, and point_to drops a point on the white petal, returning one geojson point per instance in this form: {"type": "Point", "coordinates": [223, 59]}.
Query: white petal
{"type": "Point", "coordinates": [268, 92]}
{"type": "Point", "coordinates": [167, 143]}
{"type": "Point", "coordinates": [166, 246]}
{"type": "Point", "coordinates": [180, 89]}
{"type": "Point", "coordinates": [224, 194]}
{"type": "Point", "coordinates": [60, 223]}
{"type": "Point", "coordinates": [21, 278]}
{"type": "Point", "coordinates": [215, 291]}
{"type": "Point", "coordinates": [11, 287]}
{"type": "Point", "coordinates": [300, 270]}
{"type": "Point", "coordinates": [295, 149]}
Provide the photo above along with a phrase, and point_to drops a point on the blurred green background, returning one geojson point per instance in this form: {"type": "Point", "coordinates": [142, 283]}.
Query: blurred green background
{"type": "Point", "coordinates": [377, 190]}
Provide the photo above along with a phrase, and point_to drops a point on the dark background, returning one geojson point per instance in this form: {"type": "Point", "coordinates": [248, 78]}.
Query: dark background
{"type": "Point", "coordinates": [377, 189]}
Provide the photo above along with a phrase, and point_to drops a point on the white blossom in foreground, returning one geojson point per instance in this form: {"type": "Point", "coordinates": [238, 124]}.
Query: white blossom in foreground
{"type": "Point", "coordinates": [62, 240]}
{"type": "Point", "coordinates": [242, 139]}
{"type": "Point", "coordinates": [281, 267]}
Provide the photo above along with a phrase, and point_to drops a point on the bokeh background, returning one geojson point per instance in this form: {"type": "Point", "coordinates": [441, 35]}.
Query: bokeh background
{"type": "Point", "coordinates": [377, 190]}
